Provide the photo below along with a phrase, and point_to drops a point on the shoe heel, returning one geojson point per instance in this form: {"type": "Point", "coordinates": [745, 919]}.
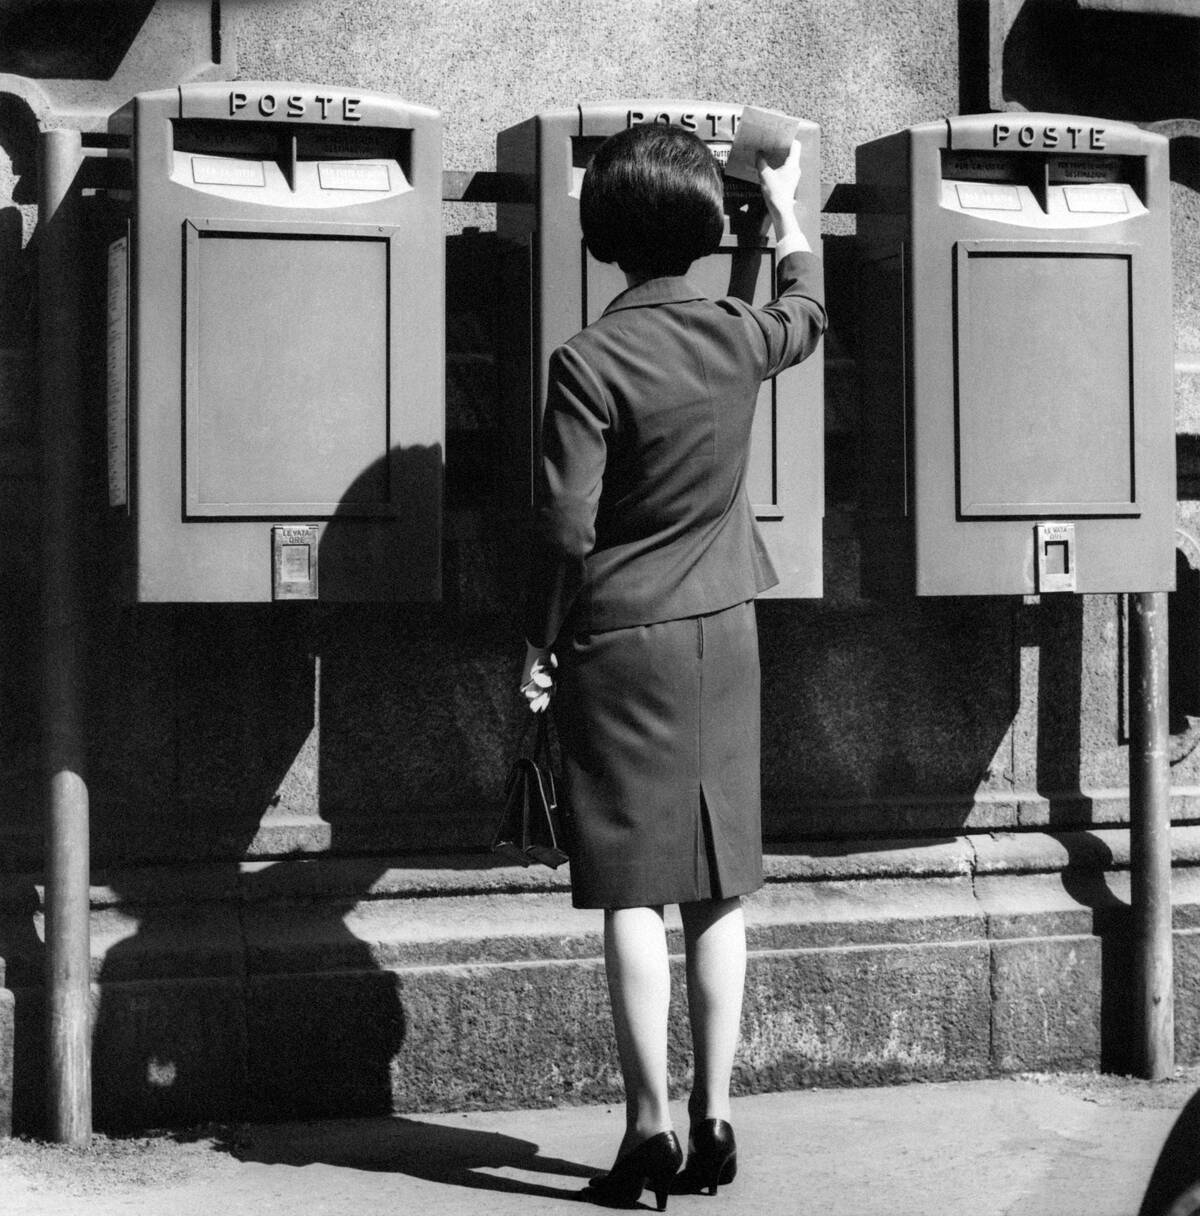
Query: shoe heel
{"type": "Point", "coordinates": [652, 1165]}
{"type": "Point", "coordinates": [661, 1181]}
{"type": "Point", "coordinates": [724, 1174]}
{"type": "Point", "coordinates": [712, 1156]}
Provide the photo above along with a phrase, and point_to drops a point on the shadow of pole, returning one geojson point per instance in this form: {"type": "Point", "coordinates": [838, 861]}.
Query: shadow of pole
{"type": "Point", "coordinates": [1060, 628]}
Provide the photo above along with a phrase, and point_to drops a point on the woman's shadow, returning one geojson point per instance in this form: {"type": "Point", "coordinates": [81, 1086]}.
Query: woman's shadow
{"type": "Point", "coordinates": [434, 1152]}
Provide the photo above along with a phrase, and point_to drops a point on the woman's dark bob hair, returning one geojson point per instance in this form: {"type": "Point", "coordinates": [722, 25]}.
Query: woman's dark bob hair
{"type": "Point", "coordinates": [652, 200]}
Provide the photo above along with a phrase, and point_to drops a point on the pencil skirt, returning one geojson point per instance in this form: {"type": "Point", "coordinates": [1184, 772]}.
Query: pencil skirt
{"type": "Point", "coordinates": [659, 727]}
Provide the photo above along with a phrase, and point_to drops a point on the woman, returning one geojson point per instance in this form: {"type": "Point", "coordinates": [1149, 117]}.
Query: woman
{"type": "Point", "coordinates": [640, 618]}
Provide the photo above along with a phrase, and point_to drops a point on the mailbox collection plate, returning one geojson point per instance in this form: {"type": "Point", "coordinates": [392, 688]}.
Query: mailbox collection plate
{"type": "Point", "coordinates": [1056, 557]}
{"type": "Point", "coordinates": [294, 561]}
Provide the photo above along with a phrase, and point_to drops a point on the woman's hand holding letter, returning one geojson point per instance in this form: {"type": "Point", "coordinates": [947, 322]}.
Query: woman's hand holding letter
{"type": "Point", "coordinates": [779, 193]}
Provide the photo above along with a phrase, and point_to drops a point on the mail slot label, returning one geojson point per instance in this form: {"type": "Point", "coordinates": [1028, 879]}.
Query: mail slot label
{"type": "Point", "coordinates": [211, 171]}
{"type": "Point", "coordinates": [1108, 200]}
{"type": "Point", "coordinates": [340, 176]}
{"type": "Point", "coordinates": [979, 196]}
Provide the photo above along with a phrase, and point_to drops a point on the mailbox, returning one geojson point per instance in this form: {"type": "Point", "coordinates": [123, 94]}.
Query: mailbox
{"type": "Point", "coordinates": [569, 289]}
{"type": "Point", "coordinates": [1016, 357]}
{"type": "Point", "coordinates": [275, 337]}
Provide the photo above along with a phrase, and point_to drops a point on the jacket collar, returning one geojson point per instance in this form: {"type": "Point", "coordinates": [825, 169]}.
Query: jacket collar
{"type": "Point", "coordinates": [670, 289]}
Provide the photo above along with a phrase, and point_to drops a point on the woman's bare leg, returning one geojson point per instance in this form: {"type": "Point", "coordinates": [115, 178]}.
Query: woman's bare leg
{"type": "Point", "coordinates": [714, 934]}
{"type": "Point", "coordinates": [639, 987]}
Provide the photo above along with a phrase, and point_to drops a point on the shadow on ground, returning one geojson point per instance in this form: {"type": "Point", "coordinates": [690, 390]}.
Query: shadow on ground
{"type": "Point", "coordinates": [436, 1152]}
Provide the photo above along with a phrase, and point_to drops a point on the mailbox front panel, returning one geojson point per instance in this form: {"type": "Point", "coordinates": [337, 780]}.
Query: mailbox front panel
{"type": "Point", "coordinates": [1027, 319]}
{"type": "Point", "coordinates": [569, 289]}
{"type": "Point", "coordinates": [252, 320]}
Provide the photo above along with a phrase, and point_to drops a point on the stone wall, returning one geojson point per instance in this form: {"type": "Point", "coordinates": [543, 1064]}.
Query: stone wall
{"type": "Point", "coordinates": [222, 731]}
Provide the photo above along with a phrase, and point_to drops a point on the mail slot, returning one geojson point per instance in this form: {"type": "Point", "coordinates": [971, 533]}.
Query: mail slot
{"type": "Point", "coordinates": [275, 331]}
{"type": "Point", "coordinates": [1016, 357]}
{"type": "Point", "coordinates": [568, 289]}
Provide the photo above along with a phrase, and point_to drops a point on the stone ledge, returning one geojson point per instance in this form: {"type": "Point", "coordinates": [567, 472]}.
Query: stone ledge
{"type": "Point", "coordinates": [131, 943]}
{"type": "Point", "coordinates": [153, 842]}
{"type": "Point", "coordinates": [362, 879]}
{"type": "Point", "coordinates": [468, 874]}
{"type": "Point", "coordinates": [325, 915]}
{"type": "Point", "coordinates": [328, 914]}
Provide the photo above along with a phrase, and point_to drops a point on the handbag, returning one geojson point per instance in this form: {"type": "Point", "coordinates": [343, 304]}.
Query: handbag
{"type": "Point", "coordinates": [530, 830]}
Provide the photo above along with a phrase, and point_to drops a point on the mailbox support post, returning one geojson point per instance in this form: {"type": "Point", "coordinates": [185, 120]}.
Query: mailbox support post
{"type": "Point", "coordinates": [67, 973]}
{"type": "Point", "coordinates": [1150, 843]}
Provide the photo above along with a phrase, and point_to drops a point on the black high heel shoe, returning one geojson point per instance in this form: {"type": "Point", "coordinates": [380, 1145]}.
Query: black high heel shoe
{"type": "Point", "coordinates": [654, 1164]}
{"type": "Point", "coordinates": [711, 1160]}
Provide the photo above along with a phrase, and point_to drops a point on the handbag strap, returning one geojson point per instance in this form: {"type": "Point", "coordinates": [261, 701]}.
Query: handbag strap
{"type": "Point", "coordinates": [541, 741]}
{"type": "Point", "coordinates": [539, 731]}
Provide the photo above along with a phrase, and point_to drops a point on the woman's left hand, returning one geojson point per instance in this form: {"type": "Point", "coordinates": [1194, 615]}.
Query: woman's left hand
{"type": "Point", "coordinates": [537, 677]}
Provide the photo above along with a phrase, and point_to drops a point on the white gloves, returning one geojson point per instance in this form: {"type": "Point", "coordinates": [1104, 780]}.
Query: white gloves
{"type": "Point", "coordinates": [537, 677]}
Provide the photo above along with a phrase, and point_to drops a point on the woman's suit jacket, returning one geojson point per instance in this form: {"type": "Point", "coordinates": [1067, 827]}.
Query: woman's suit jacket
{"type": "Point", "coordinates": [640, 509]}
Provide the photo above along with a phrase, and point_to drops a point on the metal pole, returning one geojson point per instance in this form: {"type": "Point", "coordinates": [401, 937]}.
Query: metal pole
{"type": "Point", "coordinates": [1149, 837]}
{"type": "Point", "coordinates": [68, 953]}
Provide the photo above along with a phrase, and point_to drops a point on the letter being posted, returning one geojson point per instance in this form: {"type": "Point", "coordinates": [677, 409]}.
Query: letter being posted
{"type": "Point", "coordinates": [765, 131]}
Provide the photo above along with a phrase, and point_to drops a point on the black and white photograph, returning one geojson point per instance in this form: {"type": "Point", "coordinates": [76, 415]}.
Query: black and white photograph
{"type": "Point", "coordinates": [600, 604]}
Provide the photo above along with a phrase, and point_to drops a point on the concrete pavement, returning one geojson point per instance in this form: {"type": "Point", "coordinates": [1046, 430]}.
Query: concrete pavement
{"type": "Point", "coordinates": [1037, 1146]}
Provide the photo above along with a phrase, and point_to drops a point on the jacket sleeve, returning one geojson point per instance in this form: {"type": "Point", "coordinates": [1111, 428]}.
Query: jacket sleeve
{"type": "Point", "coordinates": [793, 322]}
{"type": "Point", "coordinates": [574, 449]}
